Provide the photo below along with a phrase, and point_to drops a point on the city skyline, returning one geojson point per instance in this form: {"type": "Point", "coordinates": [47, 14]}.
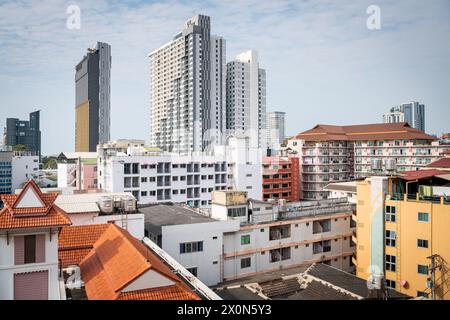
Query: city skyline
{"type": "Point", "coordinates": [331, 51]}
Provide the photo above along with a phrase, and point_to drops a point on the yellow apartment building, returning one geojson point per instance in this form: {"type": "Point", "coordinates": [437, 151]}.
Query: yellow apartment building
{"type": "Point", "coordinates": [403, 232]}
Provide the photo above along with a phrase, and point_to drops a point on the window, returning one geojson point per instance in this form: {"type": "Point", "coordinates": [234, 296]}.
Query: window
{"type": "Point", "coordinates": [422, 216]}
{"type": "Point", "coordinates": [192, 270]}
{"type": "Point", "coordinates": [143, 193]}
{"type": "Point", "coordinates": [422, 243]}
{"type": "Point", "coordinates": [390, 238]}
{"type": "Point", "coordinates": [390, 284]}
{"type": "Point", "coordinates": [30, 249]}
{"type": "Point", "coordinates": [421, 269]}
{"type": "Point", "coordinates": [422, 294]}
{"type": "Point", "coordinates": [246, 263]}
{"type": "Point", "coordinates": [237, 212]}
{"type": "Point", "coordinates": [245, 239]}
{"type": "Point", "coordinates": [190, 247]}
{"type": "Point", "coordinates": [390, 213]}
{"type": "Point", "coordinates": [390, 263]}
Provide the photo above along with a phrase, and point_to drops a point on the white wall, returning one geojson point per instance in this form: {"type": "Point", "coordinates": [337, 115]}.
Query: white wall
{"type": "Point", "coordinates": [8, 269]}
{"type": "Point", "coordinates": [23, 169]}
{"type": "Point", "coordinates": [208, 272]}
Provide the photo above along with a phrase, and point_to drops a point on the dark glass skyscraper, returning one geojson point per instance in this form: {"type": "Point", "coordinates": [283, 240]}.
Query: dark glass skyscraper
{"type": "Point", "coordinates": [27, 133]}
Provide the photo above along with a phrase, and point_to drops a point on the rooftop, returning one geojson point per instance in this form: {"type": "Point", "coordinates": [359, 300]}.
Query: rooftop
{"type": "Point", "coordinates": [120, 267]}
{"type": "Point", "coordinates": [31, 209]}
{"type": "Point", "coordinates": [441, 163]}
{"type": "Point", "coordinates": [379, 131]}
{"type": "Point", "coordinates": [168, 215]}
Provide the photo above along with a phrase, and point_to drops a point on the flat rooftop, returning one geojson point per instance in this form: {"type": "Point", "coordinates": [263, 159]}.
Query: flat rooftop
{"type": "Point", "coordinates": [161, 215]}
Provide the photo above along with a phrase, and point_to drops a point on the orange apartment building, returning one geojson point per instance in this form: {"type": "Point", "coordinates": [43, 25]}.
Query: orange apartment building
{"type": "Point", "coordinates": [281, 178]}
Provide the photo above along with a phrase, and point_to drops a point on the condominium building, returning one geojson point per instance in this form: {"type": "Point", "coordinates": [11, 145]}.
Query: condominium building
{"type": "Point", "coordinates": [276, 134]}
{"type": "Point", "coordinates": [243, 237]}
{"type": "Point", "coordinates": [402, 233]}
{"type": "Point", "coordinates": [26, 133]}
{"type": "Point", "coordinates": [16, 168]}
{"type": "Point", "coordinates": [246, 98]}
{"type": "Point", "coordinates": [93, 98]}
{"type": "Point", "coordinates": [187, 90]}
{"type": "Point", "coordinates": [342, 153]}
{"type": "Point", "coordinates": [281, 178]}
{"type": "Point", "coordinates": [154, 176]}
{"type": "Point", "coordinates": [412, 113]}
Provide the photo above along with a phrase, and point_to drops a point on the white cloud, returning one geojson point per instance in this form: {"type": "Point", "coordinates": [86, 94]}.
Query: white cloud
{"type": "Point", "coordinates": [323, 65]}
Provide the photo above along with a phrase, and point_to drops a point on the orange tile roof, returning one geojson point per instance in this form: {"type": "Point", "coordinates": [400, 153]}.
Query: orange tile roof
{"type": "Point", "coordinates": [166, 293]}
{"type": "Point", "coordinates": [379, 131]}
{"type": "Point", "coordinates": [117, 260]}
{"type": "Point", "coordinates": [75, 242]}
{"type": "Point", "coordinates": [49, 215]}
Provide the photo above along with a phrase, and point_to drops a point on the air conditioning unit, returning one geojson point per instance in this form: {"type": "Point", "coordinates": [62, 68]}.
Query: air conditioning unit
{"type": "Point", "coordinates": [377, 164]}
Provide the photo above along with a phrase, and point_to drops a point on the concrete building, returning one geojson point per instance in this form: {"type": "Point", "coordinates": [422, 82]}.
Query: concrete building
{"type": "Point", "coordinates": [29, 227]}
{"type": "Point", "coordinates": [412, 113]}
{"type": "Point", "coordinates": [243, 237]}
{"type": "Point", "coordinates": [16, 168]}
{"type": "Point", "coordinates": [77, 170]}
{"type": "Point", "coordinates": [344, 153]}
{"type": "Point", "coordinates": [93, 98]}
{"type": "Point", "coordinates": [246, 98]}
{"type": "Point", "coordinates": [153, 176]}
{"type": "Point", "coordinates": [281, 178]}
{"type": "Point", "coordinates": [340, 190]}
{"type": "Point", "coordinates": [27, 133]}
{"type": "Point", "coordinates": [402, 236]}
{"type": "Point", "coordinates": [187, 90]}
{"type": "Point", "coordinates": [276, 131]}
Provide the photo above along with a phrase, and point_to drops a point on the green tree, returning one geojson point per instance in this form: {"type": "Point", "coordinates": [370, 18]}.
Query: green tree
{"type": "Point", "coordinates": [20, 147]}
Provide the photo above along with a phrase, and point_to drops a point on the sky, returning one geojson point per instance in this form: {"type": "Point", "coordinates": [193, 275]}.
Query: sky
{"type": "Point", "coordinates": [323, 65]}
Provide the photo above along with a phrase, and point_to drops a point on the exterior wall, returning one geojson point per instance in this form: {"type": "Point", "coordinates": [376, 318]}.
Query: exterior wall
{"type": "Point", "coordinates": [408, 230]}
{"type": "Point", "coordinates": [284, 173]}
{"type": "Point", "coordinates": [301, 242]}
{"type": "Point", "coordinates": [209, 261]}
{"type": "Point", "coordinates": [246, 98]}
{"type": "Point", "coordinates": [82, 127]}
{"type": "Point", "coordinates": [335, 161]}
{"type": "Point", "coordinates": [23, 168]}
{"type": "Point", "coordinates": [134, 224]}
{"type": "Point", "coordinates": [8, 267]}
{"type": "Point", "coordinates": [88, 176]}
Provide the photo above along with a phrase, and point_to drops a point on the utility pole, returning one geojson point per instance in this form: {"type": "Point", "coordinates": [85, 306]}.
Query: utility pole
{"type": "Point", "coordinates": [432, 271]}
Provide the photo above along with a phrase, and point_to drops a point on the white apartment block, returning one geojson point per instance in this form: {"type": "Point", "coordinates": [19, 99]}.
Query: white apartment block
{"type": "Point", "coordinates": [161, 177]}
{"type": "Point", "coordinates": [243, 237]}
{"type": "Point", "coordinates": [342, 153]}
{"type": "Point", "coordinates": [276, 126]}
{"type": "Point", "coordinates": [246, 98]}
{"type": "Point", "coordinates": [16, 168]}
{"type": "Point", "coordinates": [411, 112]}
{"type": "Point", "coordinates": [187, 90]}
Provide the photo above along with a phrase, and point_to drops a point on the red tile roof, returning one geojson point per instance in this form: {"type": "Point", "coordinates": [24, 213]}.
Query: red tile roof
{"type": "Point", "coordinates": [382, 131]}
{"type": "Point", "coordinates": [441, 163]}
{"type": "Point", "coordinates": [422, 174]}
{"type": "Point", "coordinates": [117, 260]}
{"type": "Point", "coordinates": [167, 293]}
{"type": "Point", "coordinates": [75, 242]}
{"type": "Point", "coordinates": [48, 215]}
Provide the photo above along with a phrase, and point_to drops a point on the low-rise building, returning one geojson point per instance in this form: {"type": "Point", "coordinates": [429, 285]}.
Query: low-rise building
{"type": "Point", "coordinates": [29, 227]}
{"type": "Point", "coordinates": [241, 237]}
{"type": "Point", "coordinates": [402, 232]}
{"type": "Point", "coordinates": [331, 153]}
{"type": "Point", "coordinates": [154, 177]}
{"type": "Point", "coordinates": [281, 178]}
{"type": "Point", "coordinates": [16, 168]}
{"type": "Point", "coordinates": [77, 170]}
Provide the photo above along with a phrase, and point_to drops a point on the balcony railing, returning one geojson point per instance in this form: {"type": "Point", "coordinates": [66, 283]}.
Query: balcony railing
{"type": "Point", "coordinates": [419, 197]}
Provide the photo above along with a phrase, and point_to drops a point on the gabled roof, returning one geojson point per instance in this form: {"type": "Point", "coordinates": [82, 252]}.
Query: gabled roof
{"type": "Point", "coordinates": [31, 209]}
{"type": "Point", "coordinates": [378, 131]}
{"type": "Point", "coordinates": [422, 174]}
{"type": "Point", "coordinates": [117, 260]}
{"type": "Point", "coordinates": [75, 242]}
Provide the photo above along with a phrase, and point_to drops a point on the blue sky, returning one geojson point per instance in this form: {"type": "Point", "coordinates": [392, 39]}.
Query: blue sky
{"type": "Point", "coordinates": [323, 64]}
